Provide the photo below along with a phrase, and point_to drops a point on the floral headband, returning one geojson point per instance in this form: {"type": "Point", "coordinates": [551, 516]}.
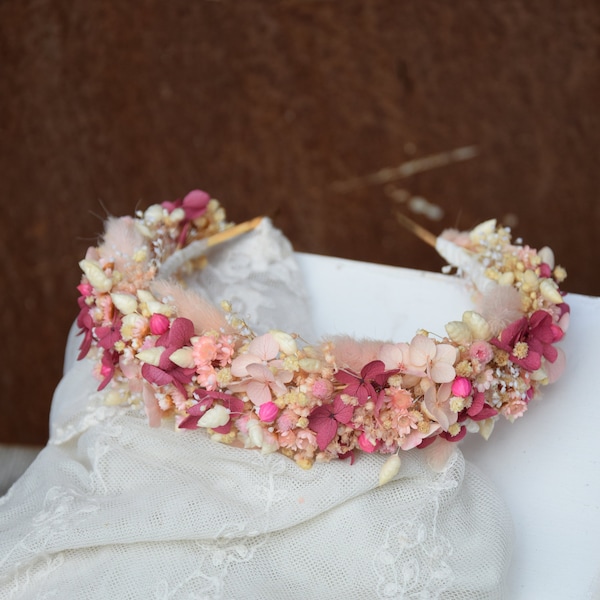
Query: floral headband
{"type": "Point", "coordinates": [166, 349]}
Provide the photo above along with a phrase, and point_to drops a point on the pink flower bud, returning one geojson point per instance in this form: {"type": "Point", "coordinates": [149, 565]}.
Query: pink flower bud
{"type": "Point", "coordinates": [85, 289]}
{"type": "Point", "coordinates": [159, 324]}
{"type": "Point", "coordinates": [365, 444]}
{"type": "Point", "coordinates": [322, 389]}
{"type": "Point", "coordinates": [267, 412]}
{"type": "Point", "coordinates": [461, 387]}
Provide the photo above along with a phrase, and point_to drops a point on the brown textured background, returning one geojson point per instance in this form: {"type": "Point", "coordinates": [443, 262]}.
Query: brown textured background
{"type": "Point", "coordinates": [108, 106]}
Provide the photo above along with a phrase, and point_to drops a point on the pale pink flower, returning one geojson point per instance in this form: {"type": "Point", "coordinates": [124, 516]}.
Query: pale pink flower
{"type": "Point", "coordinates": [481, 351]}
{"type": "Point", "coordinates": [484, 380]}
{"type": "Point", "coordinates": [207, 377]}
{"type": "Point", "coordinates": [514, 409]}
{"type": "Point", "coordinates": [322, 389]}
{"type": "Point", "coordinates": [436, 360]}
{"type": "Point", "coordinates": [397, 356]}
{"type": "Point", "coordinates": [261, 350]}
{"type": "Point", "coordinates": [287, 420]}
{"type": "Point", "coordinates": [306, 440]}
{"type": "Point", "coordinates": [262, 382]}
{"type": "Point", "coordinates": [204, 350]}
{"type": "Point", "coordinates": [225, 350]}
{"type": "Point", "coordinates": [437, 404]}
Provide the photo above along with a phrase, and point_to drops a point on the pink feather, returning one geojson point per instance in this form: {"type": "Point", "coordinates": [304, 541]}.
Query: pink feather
{"type": "Point", "coordinates": [191, 305]}
{"type": "Point", "coordinates": [355, 354]}
{"type": "Point", "coordinates": [121, 241]}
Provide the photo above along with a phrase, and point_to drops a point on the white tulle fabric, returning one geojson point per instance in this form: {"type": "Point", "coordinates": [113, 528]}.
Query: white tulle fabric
{"type": "Point", "coordinates": [114, 509]}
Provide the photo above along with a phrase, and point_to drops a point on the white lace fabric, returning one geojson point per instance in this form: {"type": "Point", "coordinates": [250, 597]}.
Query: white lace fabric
{"type": "Point", "coordinates": [114, 509]}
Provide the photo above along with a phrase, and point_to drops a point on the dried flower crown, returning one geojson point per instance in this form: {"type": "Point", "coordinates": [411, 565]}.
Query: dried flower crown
{"type": "Point", "coordinates": [156, 347]}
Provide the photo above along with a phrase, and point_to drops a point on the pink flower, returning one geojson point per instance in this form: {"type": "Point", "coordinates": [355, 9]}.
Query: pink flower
{"type": "Point", "coordinates": [159, 324]}
{"type": "Point", "coordinates": [267, 412]}
{"type": "Point", "coordinates": [528, 339]}
{"type": "Point", "coordinates": [110, 359]}
{"type": "Point", "coordinates": [204, 350]}
{"type": "Point", "coordinates": [85, 322]}
{"type": "Point", "coordinates": [206, 400]}
{"type": "Point", "coordinates": [261, 350]}
{"type": "Point", "coordinates": [194, 204]}
{"type": "Point", "coordinates": [365, 444]}
{"type": "Point", "coordinates": [369, 384]}
{"type": "Point", "coordinates": [479, 410]}
{"type": "Point", "coordinates": [109, 335]}
{"type": "Point", "coordinates": [178, 335]}
{"type": "Point", "coordinates": [322, 389]}
{"type": "Point", "coordinates": [287, 420]}
{"type": "Point", "coordinates": [461, 387]}
{"type": "Point", "coordinates": [514, 409]}
{"type": "Point", "coordinates": [435, 360]}
{"type": "Point", "coordinates": [481, 351]}
{"type": "Point", "coordinates": [324, 420]}
{"type": "Point", "coordinates": [437, 404]}
{"type": "Point", "coordinates": [261, 382]}
{"type": "Point", "coordinates": [207, 377]}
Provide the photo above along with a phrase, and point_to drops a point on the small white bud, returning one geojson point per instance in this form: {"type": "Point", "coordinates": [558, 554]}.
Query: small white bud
{"type": "Point", "coordinates": [214, 417]}
{"type": "Point", "coordinates": [389, 470]}
{"type": "Point", "coordinates": [151, 355]}
{"type": "Point", "coordinates": [126, 303]}
{"type": "Point", "coordinates": [96, 275]}
{"type": "Point", "coordinates": [287, 344]}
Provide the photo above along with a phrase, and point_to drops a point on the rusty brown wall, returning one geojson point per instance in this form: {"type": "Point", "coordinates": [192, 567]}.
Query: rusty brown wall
{"type": "Point", "coordinates": [108, 105]}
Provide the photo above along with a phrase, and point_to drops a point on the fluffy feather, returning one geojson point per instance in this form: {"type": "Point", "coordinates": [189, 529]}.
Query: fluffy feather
{"type": "Point", "coordinates": [204, 315]}
{"type": "Point", "coordinates": [121, 241]}
{"type": "Point", "coordinates": [500, 307]}
{"type": "Point", "coordinates": [355, 354]}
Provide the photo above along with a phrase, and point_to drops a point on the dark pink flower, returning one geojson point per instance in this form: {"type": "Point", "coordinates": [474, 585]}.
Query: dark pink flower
{"type": "Point", "coordinates": [324, 420]}
{"type": "Point", "coordinates": [479, 410]}
{"type": "Point", "coordinates": [109, 335]}
{"type": "Point", "coordinates": [177, 336]}
{"type": "Point", "coordinates": [86, 325]}
{"type": "Point", "coordinates": [454, 438]}
{"type": "Point", "coordinates": [194, 204]}
{"type": "Point", "coordinates": [369, 384]}
{"type": "Point", "coordinates": [206, 400]}
{"type": "Point", "coordinates": [110, 358]}
{"type": "Point", "coordinates": [527, 340]}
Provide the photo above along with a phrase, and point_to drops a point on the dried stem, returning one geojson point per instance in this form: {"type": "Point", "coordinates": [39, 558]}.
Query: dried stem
{"type": "Point", "coordinates": [416, 229]}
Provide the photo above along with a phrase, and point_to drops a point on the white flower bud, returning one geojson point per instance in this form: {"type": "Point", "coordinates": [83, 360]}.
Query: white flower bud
{"type": "Point", "coordinates": [287, 344]}
{"type": "Point", "coordinates": [547, 256]}
{"type": "Point", "coordinates": [214, 417]}
{"type": "Point", "coordinates": [479, 327]}
{"type": "Point", "coordinates": [549, 291]}
{"type": "Point", "coordinates": [391, 468]}
{"type": "Point", "coordinates": [154, 213]}
{"type": "Point", "coordinates": [310, 365]}
{"type": "Point", "coordinates": [151, 355]}
{"type": "Point", "coordinates": [482, 230]}
{"type": "Point", "coordinates": [255, 434]}
{"type": "Point", "coordinates": [126, 303]}
{"type": "Point", "coordinates": [177, 215]}
{"type": "Point", "coordinates": [459, 332]}
{"type": "Point", "coordinates": [183, 358]}
{"type": "Point", "coordinates": [486, 427]}
{"type": "Point", "coordinates": [96, 275]}
{"type": "Point", "coordinates": [507, 278]}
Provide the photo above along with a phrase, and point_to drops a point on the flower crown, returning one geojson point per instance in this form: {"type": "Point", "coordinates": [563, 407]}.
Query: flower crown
{"type": "Point", "coordinates": [164, 348]}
